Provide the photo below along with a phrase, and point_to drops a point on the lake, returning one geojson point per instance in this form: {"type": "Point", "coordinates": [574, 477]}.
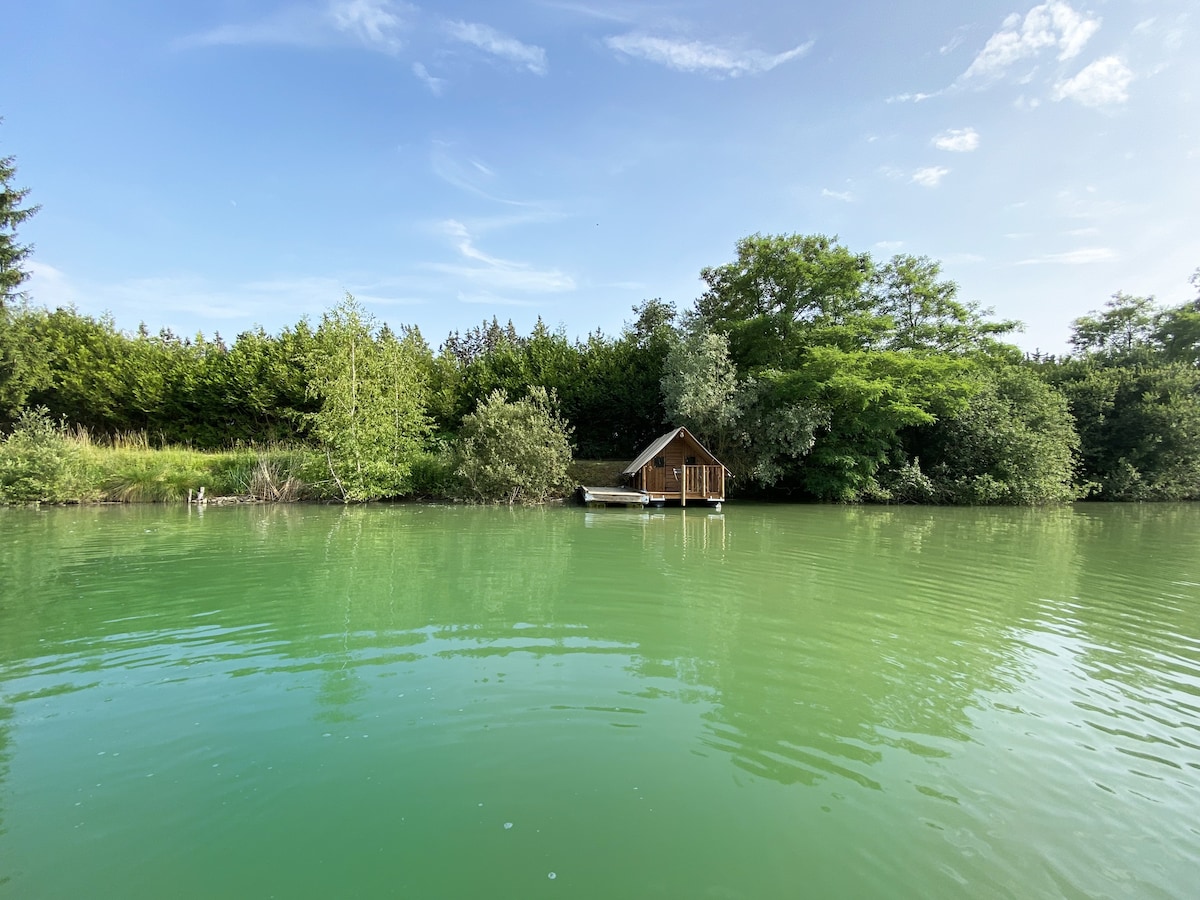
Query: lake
{"type": "Point", "coordinates": [772, 701]}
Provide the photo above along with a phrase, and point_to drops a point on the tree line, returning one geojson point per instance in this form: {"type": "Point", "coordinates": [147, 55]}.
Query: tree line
{"type": "Point", "coordinates": [812, 371]}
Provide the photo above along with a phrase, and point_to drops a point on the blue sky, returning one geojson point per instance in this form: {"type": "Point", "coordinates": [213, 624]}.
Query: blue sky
{"type": "Point", "coordinates": [212, 166]}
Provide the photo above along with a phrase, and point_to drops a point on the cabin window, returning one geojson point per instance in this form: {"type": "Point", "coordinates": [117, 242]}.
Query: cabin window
{"type": "Point", "coordinates": [659, 462]}
{"type": "Point", "coordinates": [689, 461]}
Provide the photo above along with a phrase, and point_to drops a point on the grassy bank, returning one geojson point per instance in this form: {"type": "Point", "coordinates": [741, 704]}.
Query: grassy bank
{"type": "Point", "coordinates": [43, 463]}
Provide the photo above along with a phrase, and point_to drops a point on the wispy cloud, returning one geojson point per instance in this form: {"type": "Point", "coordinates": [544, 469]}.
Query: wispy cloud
{"type": "Point", "coordinates": [489, 40]}
{"type": "Point", "coordinates": [375, 24]}
{"type": "Point", "coordinates": [610, 12]}
{"type": "Point", "coordinates": [1104, 83]}
{"type": "Point", "coordinates": [695, 56]}
{"type": "Point", "coordinates": [930, 176]}
{"type": "Point", "coordinates": [1082, 257]}
{"type": "Point", "coordinates": [495, 274]}
{"type": "Point", "coordinates": [958, 140]}
{"type": "Point", "coordinates": [913, 98]}
{"type": "Point", "coordinates": [169, 300]}
{"type": "Point", "coordinates": [843, 196]}
{"type": "Point", "coordinates": [1052, 26]}
{"type": "Point", "coordinates": [435, 85]}
{"type": "Point", "coordinates": [466, 175]}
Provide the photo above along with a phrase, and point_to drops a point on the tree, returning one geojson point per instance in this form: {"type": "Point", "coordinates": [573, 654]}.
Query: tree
{"type": "Point", "coordinates": [514, 451]}
{"type": "Point", "coordinates": [1014, 443]}
{"type": "Point", "coordinates": [1139, 427]}
{"type": "Point", "coordinates": [12, 253]}
{"type": "Point", "coordinates": [1124, 325]}
{"type": "Point", "coordinates": [787, 292]}
{"type": "Point", "coordinates": [924, 311]}
{"type": "Point", "coordinates": [700, 389]}
{"type": "Point", "coordinates": [1177, 330]}
{"type": "Point", "coordinates": [371, 421]}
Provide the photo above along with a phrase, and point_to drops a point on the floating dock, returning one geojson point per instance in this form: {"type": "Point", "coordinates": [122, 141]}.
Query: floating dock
{"type": "Point", "coordinates": [613, 496]}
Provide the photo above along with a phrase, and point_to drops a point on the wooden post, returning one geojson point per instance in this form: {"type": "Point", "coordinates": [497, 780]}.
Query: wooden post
{"type": "Point", "coordinates": [683, 487]}
{"type": "Point", "coordinates": [705, 480]}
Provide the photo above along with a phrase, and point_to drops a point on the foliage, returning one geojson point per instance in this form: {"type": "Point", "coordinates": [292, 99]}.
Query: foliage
{"type": "Point", "coordinates": [924, 312]}
{"type": "Point", "coordinates": [1125, 324]}
{"type": "Point", "coordinates": [809, 369]}
{"type": "Point", "coordinates": [700, 389]}
{"type": "Point", "coordinates": [785, 292]}
{"type": "Point", "coordinates": [1139, 426]}
{"type": "Point", "coordinates": [39, 463]}
{"type": "Point", "coordinates": [371, 421]}
{"type": "Point", "coordinates": [1014, 443]}
{"type": "Point", "coordinates": [514, 451]}
{"type": "Point", "coordinates": [12, 253]}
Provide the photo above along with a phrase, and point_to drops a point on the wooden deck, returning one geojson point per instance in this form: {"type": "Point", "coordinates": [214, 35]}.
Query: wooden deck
{"type": "Point", "coordinates": [684, 483]}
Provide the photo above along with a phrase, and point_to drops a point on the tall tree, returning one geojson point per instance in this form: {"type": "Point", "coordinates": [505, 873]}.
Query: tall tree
{"type": "Point", "coordinates": [1124, 325]}
{"type": "Point", "coordinates": [925, 311]}
{"type": "Point", "coordinates": [784, 293]}
{"type": "Point", "coordinates": [371, 422]}
{"type": "Point", "coordinates": [12, 214]}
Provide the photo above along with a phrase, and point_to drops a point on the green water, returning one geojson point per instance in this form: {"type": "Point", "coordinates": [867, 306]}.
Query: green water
{"type": "Point", "coordinates": [453, 702]}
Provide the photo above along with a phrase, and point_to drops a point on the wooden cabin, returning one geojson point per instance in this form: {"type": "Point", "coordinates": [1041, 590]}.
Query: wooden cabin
{"type": "Point", "coordinates": [677, 467]}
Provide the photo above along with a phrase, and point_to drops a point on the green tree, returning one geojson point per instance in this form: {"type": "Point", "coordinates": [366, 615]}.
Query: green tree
{"type": "Point", "coordinates": [1139, 427]}
{"type": "Point", "coordinates": [787, 292]}
{"type": "Point", "coordinates": [700, 389]}
{"type": "Point", "coordinates": [24, 367]}
{"type": "Point", "coordinates": [514, 451]}
{"type": "Point", "coordinates": [1124, 325]}
{"type": "Point", "coordinates": [1177, 330]}
{"type": "Point", "coordinates": [371, 422]}
{"type": "Point", "coordinates": [1014, 443]}
{"type": "Point", "coordinates": [924, 310]}
{"type": "Point", "coordinates": [12, 214]}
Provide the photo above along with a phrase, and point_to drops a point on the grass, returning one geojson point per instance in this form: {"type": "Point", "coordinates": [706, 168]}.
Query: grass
{"type": "Point", "coordinates": [597, 472]}
{"type": "Point", "coordinates": [126, 469]}
{"type": "Point", "coordinates": [51, 465]}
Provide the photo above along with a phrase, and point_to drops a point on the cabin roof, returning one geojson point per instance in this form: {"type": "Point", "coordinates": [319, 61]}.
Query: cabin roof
{"type": "Point", "coordinates": [660, 444]}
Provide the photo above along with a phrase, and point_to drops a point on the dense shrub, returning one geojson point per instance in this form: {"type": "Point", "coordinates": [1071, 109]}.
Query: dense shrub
{"type": "Point", "coordinates": [514, 451]}
{"type": "Point", "coordinates": [40, 463]}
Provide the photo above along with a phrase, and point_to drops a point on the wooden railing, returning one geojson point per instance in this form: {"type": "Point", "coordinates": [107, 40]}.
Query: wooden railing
{"type": "Point", "coordinates": [701, 482]}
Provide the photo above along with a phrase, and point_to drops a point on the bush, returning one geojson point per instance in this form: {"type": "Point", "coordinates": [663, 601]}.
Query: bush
{"type": "Point", "coordinates": [514, 451]}
{"type": "Point", "coordinates": [40, 463]}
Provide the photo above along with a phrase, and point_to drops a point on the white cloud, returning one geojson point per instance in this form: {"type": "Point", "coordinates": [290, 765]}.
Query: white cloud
{"type": "Point", "coordinates": [889, 245]}
{"type": "Point", "coordinates": [495, 273]}
{"type": "Point", "coordinates": [958, 140]}
{"type": "Point", "coordinates": [376, 24]}
{"type": "Point", "coordinates": [1081, 257]}
{"type": "Point", "coordinates": [1050, 26]}
{"type": "Point", "coordinates": [435, 85]}
{"type": "Point", "coordinates": [488, 39]}
{"type": "Point", "coordinates": [465, 174]}
{"type": "Point", "coordinates": [1104, 83]}
{"type": "Point", "coordinates": [694, 56]}
{"type": "Point", "coordinates": [844, 196]}
{"type": "Point", "coordinates": [912, 98]}
{"type": "Point", "coordinates": [930, 176]}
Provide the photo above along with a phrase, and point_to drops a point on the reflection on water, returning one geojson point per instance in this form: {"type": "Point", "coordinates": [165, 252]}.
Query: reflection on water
{"type": "Point", "coordinates": [870, 701]}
